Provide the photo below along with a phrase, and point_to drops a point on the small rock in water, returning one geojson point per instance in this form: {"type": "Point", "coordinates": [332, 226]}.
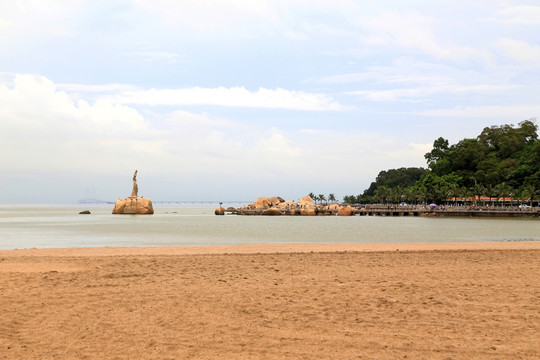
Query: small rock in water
{"type": "Point", "coordinates": [85, 212]}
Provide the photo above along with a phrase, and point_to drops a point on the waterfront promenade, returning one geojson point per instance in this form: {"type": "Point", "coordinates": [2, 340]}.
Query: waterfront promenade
{"type": "Point", "coordinates": [452, 210]}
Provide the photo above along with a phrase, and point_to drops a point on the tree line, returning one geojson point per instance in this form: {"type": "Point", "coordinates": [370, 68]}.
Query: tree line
{"type": "Point", "coordinates": [501, 162]}
{"type": "Point", "coordinates": [321, 198]}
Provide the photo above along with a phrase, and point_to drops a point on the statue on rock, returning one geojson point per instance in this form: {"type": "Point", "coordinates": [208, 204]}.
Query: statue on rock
{"type": "Point", "coordinates": [133, 204]}
{"type": "Point", "coordinates": [135, 190]}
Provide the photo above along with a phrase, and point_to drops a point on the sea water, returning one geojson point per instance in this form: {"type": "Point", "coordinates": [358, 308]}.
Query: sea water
{"type": "Point", "coordinates": [58, 226]}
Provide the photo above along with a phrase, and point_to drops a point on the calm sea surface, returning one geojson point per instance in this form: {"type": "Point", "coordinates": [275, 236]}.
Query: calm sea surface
{"type": "Point", "coordinates": [53, 226]}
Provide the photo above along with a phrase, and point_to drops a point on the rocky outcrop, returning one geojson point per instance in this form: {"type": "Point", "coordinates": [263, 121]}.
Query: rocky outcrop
{"type": "Point", "coordinates": [133, 205]}
{"type": "Point", "coordinates": [219, 211]}
{"type": "Point", "coordinates": [304, 207]}
{"type": "Point", "coordinates": [332, 207]}
{"type": "Point", "coordinates": [306, 200]}
{"type": "Point", "coordinates": [287, 205]}
{"type": "Point", "coordinates": [308, 211]}
{"type": "Point", "coordinates": [345, 211]}
{"type": "Point", "coordinates": [266, 202]}
{"type": "Point", "coordinates": [271, 212]}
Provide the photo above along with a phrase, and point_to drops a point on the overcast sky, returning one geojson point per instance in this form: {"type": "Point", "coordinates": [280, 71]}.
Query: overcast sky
{"type": "Point", "coordinates": [231, 100]}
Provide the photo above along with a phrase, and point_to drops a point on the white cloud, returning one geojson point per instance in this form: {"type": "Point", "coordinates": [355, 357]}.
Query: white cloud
{"type": "Point", "coordinates": [232, 15]}
{"type": "Point", "coordinates": [232, 97]}
{"type": "Point", "coordinates": [156, 56]}
{"type": "Point", "coordinates": [208, 15]}
{"type": "Point", "coordinates": [516, 112]}
{"type": "Point", "coordinates": [95, 88]}
{"type": "Point", "coordinates": [408, 73]}
{"type": "Point", "coordinates": [519, 15]}
{"type": "Point", "coordinates": [424, 92]}
{"type": "Point", "coordinates": [44, 129]}
{"type": "Point", "coordinates": [520, 50]}
{"type": "Point", "coordinates": [37, 18]}
{"type": "Point", "coordinates": [414, 32]}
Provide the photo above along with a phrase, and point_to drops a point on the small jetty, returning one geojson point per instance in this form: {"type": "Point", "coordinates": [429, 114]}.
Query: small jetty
{"type": "Point", "coordinates": [276, 206]}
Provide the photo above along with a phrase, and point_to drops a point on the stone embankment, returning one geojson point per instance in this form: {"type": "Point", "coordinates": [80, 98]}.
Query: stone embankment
{"type": "Point", "coordinates": [276, 206]}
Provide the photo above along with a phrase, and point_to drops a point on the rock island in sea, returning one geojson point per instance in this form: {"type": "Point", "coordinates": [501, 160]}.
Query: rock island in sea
{"type": "Point", "coordinates": [275, 205]}
{"type": "Point", "coordinates": [134, 204]}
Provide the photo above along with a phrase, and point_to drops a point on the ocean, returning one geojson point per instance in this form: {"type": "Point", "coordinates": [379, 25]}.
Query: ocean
{"type": "Point", "coordinates": [60, 226]}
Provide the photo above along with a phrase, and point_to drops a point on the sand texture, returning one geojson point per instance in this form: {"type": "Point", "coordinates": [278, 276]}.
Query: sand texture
{"type": "Point", "coordinates": [429, 304]}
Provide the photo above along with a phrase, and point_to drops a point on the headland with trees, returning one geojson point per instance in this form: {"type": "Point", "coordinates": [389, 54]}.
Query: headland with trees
{"type": "Point", "coordinates": [501, 166]}
{"type": "Point", "coordinates": [496, 173]}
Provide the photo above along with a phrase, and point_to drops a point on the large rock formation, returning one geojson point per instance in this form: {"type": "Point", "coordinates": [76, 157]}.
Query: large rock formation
{"type": "Point", "coordinates": [133, 204]}
{"type": "Point", "coordinates": [306, 200]}
{"type": "Point", "coordinates": [345, 211]}
{"type": "Point", "coordinates": [305, 207]}
{"type": "Point", "coordinates": [309, 211]}
{"type": "Point", "coordinates": [271, 212]}
{"type": "Point", "coordinates": [266, 202]}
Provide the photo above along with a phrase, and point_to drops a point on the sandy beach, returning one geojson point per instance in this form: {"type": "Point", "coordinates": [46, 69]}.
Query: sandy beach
{"type": "Point", "coordinates": [304, 301]}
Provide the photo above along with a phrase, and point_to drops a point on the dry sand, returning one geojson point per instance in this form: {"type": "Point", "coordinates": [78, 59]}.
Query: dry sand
{"type": "Point", "coordinates": [327, 301]}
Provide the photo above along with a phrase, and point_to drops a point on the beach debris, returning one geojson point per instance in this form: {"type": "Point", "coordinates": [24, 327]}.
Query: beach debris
{"type": "Point", "coordinates": [85, 212]}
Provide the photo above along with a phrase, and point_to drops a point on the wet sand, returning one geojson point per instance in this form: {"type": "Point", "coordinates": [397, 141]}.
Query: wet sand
{"type": "Point", "coordinates": [301, 301]}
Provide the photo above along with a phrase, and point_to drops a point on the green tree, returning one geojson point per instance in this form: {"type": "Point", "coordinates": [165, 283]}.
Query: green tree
{"type": "Point", "coordinates": [410, 195]}
{"type": "Point", "coordinates": [500, 154]}
{"type": "Point", "coordinates": [503, 191]}
{"type": "Point", "coordinates": [332, 198]}
{"type": "Point", "coordinates": [382, 193]}
{"type": "Point", "coordinates": [402, 177]}
{"type": "Point", "coordinates": [350, 199]}
{"type": "Point", "coordinates": [531, 192]}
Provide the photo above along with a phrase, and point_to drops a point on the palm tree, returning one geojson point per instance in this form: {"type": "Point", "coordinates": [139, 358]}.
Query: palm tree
{"type": "Point", "coordinates": [482, 190]}
{"type": "Point", "coordinates": [349, 199]}
{"type": "Point", "coordinates": [322, 198]}
{"type": "Point", "coordinates": [491, 191]}
{"type": "Point", "coordinates": [503, 190]}
{"type": "Point", "coordinates": [331, 198]}
{"type": "Point", "coordinates": [422, 193]}
{"type": "Point", "coordinates": [396, 194]}
{"type": "Point", "coordinates": [454, 192]}
{"type": "Point", "coordinates": [382, 193]}
{"type": "Point", "coordinates": [312, 196]}
{"type": "Point", "coordinates": [409, 194]}
{"type": "Point", "coordinates": [531, 192]}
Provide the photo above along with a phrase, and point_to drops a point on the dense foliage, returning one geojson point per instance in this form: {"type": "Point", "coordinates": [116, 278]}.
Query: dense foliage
{"type": "Point", "coordinates": [503, 161]}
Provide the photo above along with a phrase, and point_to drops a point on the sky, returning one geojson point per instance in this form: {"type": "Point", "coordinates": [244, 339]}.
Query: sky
{"type": "Point", "coordinates": [231, 100]}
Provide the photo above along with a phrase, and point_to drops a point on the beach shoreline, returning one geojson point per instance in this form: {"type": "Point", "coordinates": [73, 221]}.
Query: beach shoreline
{"type": "Point", "coordinates": [265, 248]}
{"type": "Point", "coordinates": [298, 301]}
